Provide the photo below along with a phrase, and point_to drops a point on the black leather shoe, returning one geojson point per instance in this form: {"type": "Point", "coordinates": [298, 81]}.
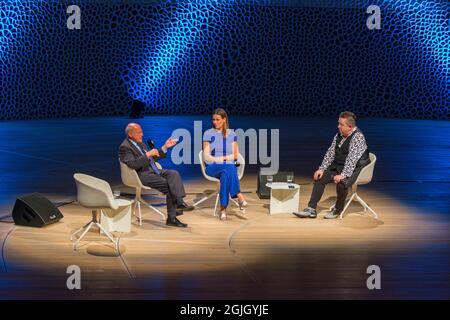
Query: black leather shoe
{"type": "Point", "coordinates": [174, 222]}
{"type": "Point", "coordinates": [183, 206]}
{"type": "Point", "coordinates": [179, 213]}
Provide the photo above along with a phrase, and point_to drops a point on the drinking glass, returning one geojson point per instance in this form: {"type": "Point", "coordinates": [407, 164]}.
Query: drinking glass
{"type": "Point", "coordinates": [270, 179]}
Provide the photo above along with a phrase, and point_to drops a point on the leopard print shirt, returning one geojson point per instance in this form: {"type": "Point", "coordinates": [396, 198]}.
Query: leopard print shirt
{"type": "Point", "coordinates": [357, 147]}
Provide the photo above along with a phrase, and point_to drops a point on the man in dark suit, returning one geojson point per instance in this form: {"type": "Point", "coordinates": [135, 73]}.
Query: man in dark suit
{"type": "Point", "coordinates": [136, 155]}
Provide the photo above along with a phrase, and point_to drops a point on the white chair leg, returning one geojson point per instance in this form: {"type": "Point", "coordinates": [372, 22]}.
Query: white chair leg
{"type": "Point", "coordinates": [162, 214]}
{"type": "Point", "coordinates": [135, 211]}
{"type": "Point", "coordinates": [133, 208]}
{"type": "Point", "coordinates": [346, 206]}
{"type": "Point", "coordinates": [366, 206]}
{"type": "Point", "coordinates": [358, 198]}
{"type": "Point", "coordinates": [107, 234]}
{"type": "Point", "coordinates": [205, 198]}
{"type": "Point", "coordinates": [200, 201]}
{"type": "Point", "coordinates": [86, 228]}
{"type": "Point", "coordinates": [215, 206]}
{"type": "Point", "coordinates": [137, 200]}
{"type": "Point", "coordinates": [79, 230]}
{"type": "Point", "coordinates": [235, 202]}
{"type": "Point", "coordinates": [139, 212]}
{"type": "Point", "coordinates": [89, 226]}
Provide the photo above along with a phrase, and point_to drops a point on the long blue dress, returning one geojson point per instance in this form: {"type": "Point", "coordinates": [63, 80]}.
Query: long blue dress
{"type": "Point", "coordinates": [226, 172]}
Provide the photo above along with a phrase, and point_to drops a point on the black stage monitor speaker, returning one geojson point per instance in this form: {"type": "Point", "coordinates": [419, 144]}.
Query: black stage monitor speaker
{"type": "Point", "coordinates": [35, 210]}
{"type": "Point", "coordinates": [263, 191]}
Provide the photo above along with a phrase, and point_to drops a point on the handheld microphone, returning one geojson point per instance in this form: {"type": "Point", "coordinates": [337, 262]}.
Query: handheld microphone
{"type": "Point", "coordinates": [150, 144]}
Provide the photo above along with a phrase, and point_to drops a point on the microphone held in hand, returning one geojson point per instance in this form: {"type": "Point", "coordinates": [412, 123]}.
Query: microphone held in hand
{"type": "Point", "coordinates": [150, 144]}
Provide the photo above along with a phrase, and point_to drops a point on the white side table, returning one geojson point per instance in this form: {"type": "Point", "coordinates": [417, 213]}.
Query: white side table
{"type": "Point", "coordinates": [284, 197]}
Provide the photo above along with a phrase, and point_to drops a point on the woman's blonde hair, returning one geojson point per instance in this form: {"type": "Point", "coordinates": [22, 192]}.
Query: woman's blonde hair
{"type": "Point", "coordinates": [223, 114]}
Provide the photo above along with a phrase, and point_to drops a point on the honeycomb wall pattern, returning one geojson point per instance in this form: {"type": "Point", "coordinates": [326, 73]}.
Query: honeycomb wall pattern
{"type": "Point", "coordinates": [250, 57]}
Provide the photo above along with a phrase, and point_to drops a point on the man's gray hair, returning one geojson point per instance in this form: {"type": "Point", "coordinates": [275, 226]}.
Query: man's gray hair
{"type": "Point", "coordinates": [129, 128]}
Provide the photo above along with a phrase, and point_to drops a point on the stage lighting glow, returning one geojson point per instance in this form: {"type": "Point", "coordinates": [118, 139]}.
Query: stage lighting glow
{"type": "Point", "coordinates": [429, 24]}
{"type": "Point", "coordinates": [8, 17]}
{"type": "Point", "coordinates": [180, 33]}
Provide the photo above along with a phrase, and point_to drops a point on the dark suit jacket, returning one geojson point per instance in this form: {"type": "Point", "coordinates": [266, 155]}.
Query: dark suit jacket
{"type": "Point", "coordinates": [133, 158]}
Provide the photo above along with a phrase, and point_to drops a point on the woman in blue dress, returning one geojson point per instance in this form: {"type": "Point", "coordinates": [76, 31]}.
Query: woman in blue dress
{"type": "Point", "coordinates": [220, 151]}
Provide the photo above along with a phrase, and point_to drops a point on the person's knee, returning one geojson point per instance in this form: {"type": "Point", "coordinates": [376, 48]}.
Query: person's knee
{"type": "Point", "coordinates": [320, 181]}
{"type": "Point", "coordinates": [224, 175]}
{"type": "Point", "coordinates": [173, 173]}
{"type": "Point", "coordinates": [163, 186]}
{"type": "Point", "coordinates": [223, 180]}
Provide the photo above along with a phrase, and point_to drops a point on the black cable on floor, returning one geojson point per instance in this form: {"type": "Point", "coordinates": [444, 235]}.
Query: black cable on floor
{"type": "Point", "coordinates": [130, 274]}
{"type": "Point", "coordinates": [3, 249]}
{"type": "Point", "coordinates": [60, 204]}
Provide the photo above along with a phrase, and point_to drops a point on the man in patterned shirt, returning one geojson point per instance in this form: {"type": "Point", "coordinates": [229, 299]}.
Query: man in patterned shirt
{"type": "Point", "coordinates": [345, 158]}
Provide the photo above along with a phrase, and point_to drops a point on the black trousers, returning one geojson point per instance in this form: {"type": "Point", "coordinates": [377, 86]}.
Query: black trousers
{"type": "Point", "coordinates": [341, 188]}
{"type": "Point", "coordinates": [169, 183]}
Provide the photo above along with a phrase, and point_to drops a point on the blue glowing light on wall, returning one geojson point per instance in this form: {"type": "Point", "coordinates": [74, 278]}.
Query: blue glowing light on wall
{"type": "Point", "coordinates": [5, 30]}
{"type": "Point", "coordinates": [179, 34]}
{"type": "Point", "coordinates": [285, 57]}
{"type": "Point", "coordinates": [429, 22]}
{"type": "Point", "coordinates": [425, 22]}
{"type": "Point", "coordinates": [428, 26]}
{"type": "Point", "coordinates": [7, 18]}
{"type": "Point", "coordinates": [12, 17]}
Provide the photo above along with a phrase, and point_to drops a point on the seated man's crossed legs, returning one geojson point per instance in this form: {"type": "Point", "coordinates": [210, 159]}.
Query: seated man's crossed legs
{"type": "Point", "coordinates": [169, 182]}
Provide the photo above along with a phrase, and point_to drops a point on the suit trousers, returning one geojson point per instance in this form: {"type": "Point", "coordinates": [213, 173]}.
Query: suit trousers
{"type": "Point", "coordinates": [169, 183]}
{"type": "Point", "coordinates": [341, 187]}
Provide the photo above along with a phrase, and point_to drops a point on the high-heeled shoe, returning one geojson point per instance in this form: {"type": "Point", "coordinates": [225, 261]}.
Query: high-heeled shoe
{"type": "Point", "coordinates": [242, 205]}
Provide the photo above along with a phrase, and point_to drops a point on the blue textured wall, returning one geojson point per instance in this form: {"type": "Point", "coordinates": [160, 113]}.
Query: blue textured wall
{"type": "Point", "coordinates": [252, 57]}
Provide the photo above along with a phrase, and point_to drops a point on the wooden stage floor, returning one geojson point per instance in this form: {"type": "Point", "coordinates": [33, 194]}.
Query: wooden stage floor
{"type": "Point", "coordinates": [250, 256]}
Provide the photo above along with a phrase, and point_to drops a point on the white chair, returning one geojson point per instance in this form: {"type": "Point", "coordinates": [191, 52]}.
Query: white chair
{"type": "Point", "coordinates": [131, 179]}
{"type": "Point", "coordinates": [96, 194]}
{"type": "Point", "coordinates": [364, 177]}
{"type": "Point", "coordinates": [240, 169]}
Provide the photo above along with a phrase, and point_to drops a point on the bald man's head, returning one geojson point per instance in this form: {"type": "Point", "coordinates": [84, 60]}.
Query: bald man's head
{"type": "Point", "coordinates": [134, 132]}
